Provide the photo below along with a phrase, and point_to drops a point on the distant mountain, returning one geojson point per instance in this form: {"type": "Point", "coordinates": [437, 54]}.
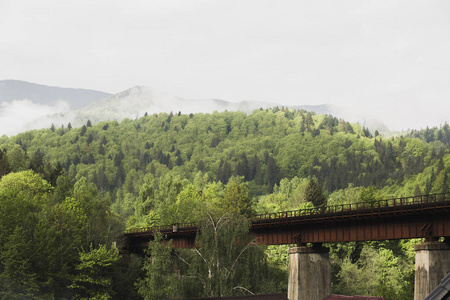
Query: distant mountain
{"type": "Point", "coordinates": [25, 106]}
{"type": "Point", "coordinates": [48, 95]}
{"type": "Point", "coordinates": [136, 101]}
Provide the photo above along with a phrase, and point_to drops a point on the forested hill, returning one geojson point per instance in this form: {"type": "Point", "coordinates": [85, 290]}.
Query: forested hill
{"type": "Point", "coordinates": [263, 147]}
{"type": "Point", "coordinates": [67, 193]}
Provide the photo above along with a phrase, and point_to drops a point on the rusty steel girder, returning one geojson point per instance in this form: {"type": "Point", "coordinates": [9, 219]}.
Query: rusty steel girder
{"type": "Point", "coordinates": [402, 218]}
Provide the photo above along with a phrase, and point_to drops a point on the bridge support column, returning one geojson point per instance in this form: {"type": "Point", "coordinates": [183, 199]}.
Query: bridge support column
{"type": "Point", "coordinates": [309, 273]}
{"type": "Point", "coordinates": [432, 265]}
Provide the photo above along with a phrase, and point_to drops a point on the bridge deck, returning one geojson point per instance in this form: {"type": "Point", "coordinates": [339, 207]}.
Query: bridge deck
{"type": "Point", "coordinates": [412, 217]}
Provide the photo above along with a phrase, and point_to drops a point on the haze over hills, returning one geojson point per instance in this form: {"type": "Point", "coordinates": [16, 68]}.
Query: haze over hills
{"type": "Point", "coordinates": [11, 90]}
{"type": "Point", "coordinates": [25, 106]}
{"type": "Point", "coordinates": [138, 100]}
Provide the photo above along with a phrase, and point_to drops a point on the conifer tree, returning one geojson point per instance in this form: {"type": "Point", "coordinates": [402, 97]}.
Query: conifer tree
{"type": "Point", "coordinates": [314, 193]}
{"type": "Point", "coordinates": [271, 173]}
{"type": "Point", "coordinates": [83, 130]}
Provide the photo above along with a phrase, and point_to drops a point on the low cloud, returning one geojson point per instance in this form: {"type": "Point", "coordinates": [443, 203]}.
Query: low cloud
{"type": "Point", "coordinates": [21, 115]}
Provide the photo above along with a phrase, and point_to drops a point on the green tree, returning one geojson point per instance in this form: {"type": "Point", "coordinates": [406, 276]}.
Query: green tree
{"type": "Point", "coordinates": [159, 282]}
{"type": "Point", "coordinates": [95, 272]}
{"type": "Point", "coordinates": [64, 188]}
{"type": "Point", "coordinates": [271, 173]}
{"type": "Point", "coordinates": [377, 272]}
{"type": "Point", "coordinates": [368, 194]}
{"type": "Point", "coordinates": [237, 200]}
{"type": "Point", "coordinates": [83, 130]}
{"type": "Point", "coordinates": [314, 193]}
{"type": "Point", "coordinates": [23, 199]}
{"type": "Point", "coordinates": [226, 263]}
{"type": "Point", "coordinates": [17, 159]}
{"type": "Point", "coordinates": [4, 164]}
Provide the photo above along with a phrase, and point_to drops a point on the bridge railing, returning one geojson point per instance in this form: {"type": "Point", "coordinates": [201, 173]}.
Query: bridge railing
{"type": "Point", "coordinates": [403, 204]}
{"type": "Point", "coordinates": [388, 206]}
{"type": "Point", "coordinates": [164, 228]}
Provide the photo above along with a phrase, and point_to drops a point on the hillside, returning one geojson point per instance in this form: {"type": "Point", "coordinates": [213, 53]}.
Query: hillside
{"type": "Point", "coordinates": [173, 168]}
{"type": "Point", "coordinates": [264, 147]}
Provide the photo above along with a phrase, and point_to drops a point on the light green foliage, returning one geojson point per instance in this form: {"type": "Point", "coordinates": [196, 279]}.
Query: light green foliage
{"type": "Point", "coordinates": [226, 263]}
{"type": "Point", "coordinates": [349, 195]}
{"type": "Point", "coordinates": [415, 147]}
{"type": "Point", "coordinates": [288, 195]}
{"type": "Point", "coordinates": [28, 250]}
{"type": "Point", "coordinates": [301, 144]}
{"type": "Point", "coordinates": [25, 182]}
{"type": "Point", "coordinates": [94, 277]}
{"type": "Point", "coordinates": [41, 233]}
{"type": "Point", "coordinates": [124, 206]}
{"type": "Point", "coordinates": [237, 200]}
{"type": "Point", "coordinates": [377, 272]}
{"type": "Point", "coordinates": [159, 281]}
{"type": "Point", "coordinates": [146, 201]}
{"type": "Point", "coordinates": [369, 194]}
{"type": "Point", "coordinates": [17, 159]}
{"type": "Point", "coordinates": [190, 205]}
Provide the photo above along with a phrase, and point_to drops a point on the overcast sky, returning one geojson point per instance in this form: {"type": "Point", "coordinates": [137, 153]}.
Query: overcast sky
{"type": "Point", "coordinates": [388, 59]}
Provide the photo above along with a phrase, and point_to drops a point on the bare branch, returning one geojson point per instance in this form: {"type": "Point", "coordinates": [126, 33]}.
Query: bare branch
{"type": "Point", "coordinates": [198, 252]}
{"type": "Point", "coordinates": [243, 288]}
{"type": "Point", "coordinates": [182, 259]}
{"type": "Point", "coordinates": [242, 251]}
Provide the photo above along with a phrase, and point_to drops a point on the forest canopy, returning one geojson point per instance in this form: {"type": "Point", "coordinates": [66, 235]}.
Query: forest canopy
{"type": "Point", "coordinates": [71, 191]}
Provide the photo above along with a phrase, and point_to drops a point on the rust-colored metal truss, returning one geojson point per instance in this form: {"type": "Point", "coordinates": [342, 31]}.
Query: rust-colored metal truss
{"type": "Point", "coordinates": [401, 218]}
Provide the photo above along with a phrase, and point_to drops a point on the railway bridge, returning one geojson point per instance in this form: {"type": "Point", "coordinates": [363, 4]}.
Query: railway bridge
{"type": "Point", "coordinates": [426, 217]}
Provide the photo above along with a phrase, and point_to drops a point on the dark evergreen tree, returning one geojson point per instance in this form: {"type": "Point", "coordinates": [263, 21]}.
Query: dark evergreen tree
{"type": "Point", "coordinates": [120, 176]}
{"type": "Point", "coordinates": [242, 167]}
{"type": "Point", "coordinates": [101, 150]}
{"type": "Point", "coordinates": [37, 162]}
{"type": "Point", "coordinates": [178, 161]}
{"type": "Point", "coordinates": [4, 165]}
{"type": "Point", "coordinates": [314, 193]}
{"type": "Point", "coordinates": [64, 187]}
{"type": "Point", "coordinates": [83, 130]}
{"type": "Point", "coordinates": [118, 158]}
{"type": "Point", "coordinates": [271, 173]}
{"type": "Point", "coordinates": [255, 170]}
{"type": "Point", "coordinates": [201, 165]}
{"type": "Point", "coordinates": [89, 139]}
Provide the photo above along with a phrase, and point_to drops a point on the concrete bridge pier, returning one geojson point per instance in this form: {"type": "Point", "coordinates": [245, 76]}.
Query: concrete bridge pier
{"type": "Point", "coordinates": [432, 265]}
{"type": "Point", "coordinates": [309, 273]}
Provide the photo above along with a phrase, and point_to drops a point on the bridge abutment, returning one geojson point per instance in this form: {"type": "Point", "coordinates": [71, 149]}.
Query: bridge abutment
{"type": "Point", "coordinates": [309, 273]}
{"type": "Point", "coordinates": [432, 265]}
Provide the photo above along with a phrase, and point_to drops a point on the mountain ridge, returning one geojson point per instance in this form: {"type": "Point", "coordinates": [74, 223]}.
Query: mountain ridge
{"type": "Point", "coordinates": [45, 105]}
{"type": "Point", "coordinates": [11, 90]}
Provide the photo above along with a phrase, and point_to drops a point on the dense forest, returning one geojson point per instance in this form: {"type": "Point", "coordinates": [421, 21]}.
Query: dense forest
{"type": "Point", "coordinates": [67, 193]}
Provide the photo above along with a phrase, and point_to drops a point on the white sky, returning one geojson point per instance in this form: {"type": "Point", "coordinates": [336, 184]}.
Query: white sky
{"type": "Point", "coordinates": [389, 59]}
